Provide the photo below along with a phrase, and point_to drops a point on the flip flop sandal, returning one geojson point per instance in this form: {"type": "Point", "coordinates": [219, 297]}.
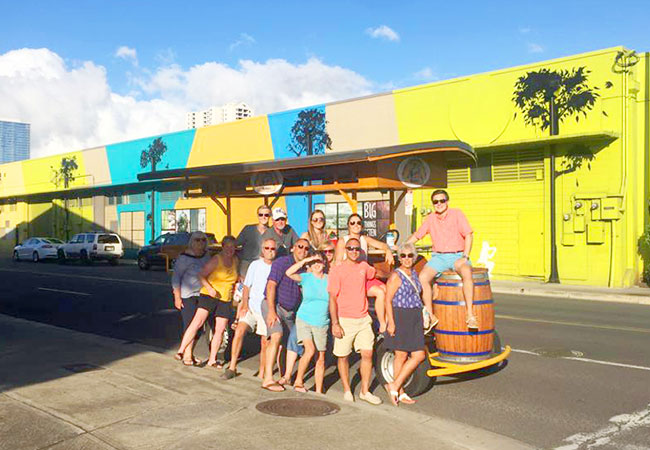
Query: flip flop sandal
{"type": "Point", "coordinates": [229, 374]}
{"type": "Point", "coordinates": [215, 365]}
{"type": "Point", "coordinates": [300, 389]}
{"type": "Point", "coordinates": [282, 381]}
{"type": "Point", "coordinates": [189, 362]}
{"type": "Point", "coordinates": [178, 356]}
{"type": "Point", "coordinates": [404, 398]}
{"type": "Point", "coordinates": [273, 387]}
{"type": "Point", "coordinates": [393, 395]}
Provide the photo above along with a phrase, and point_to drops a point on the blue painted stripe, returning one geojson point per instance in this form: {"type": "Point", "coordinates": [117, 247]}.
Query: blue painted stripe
{"type": "Point", "coordinates": [463, 333]}
{"type": "Point", "coordinates": [463, 354]}
{"type": "Point", "coordinates": [478, 283]}
{"type": "Point", "coordinates": [477, 302]}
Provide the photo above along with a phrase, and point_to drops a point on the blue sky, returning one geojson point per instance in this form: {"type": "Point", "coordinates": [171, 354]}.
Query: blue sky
{"type": "Point", "coordinates": [363, 46]}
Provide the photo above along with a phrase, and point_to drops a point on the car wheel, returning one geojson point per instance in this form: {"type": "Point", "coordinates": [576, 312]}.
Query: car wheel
{"type": "Point", "coordinates": [85, 258]}
{"type": "Point", "coordinates": [16, 257]}
{"type": "Point", "coordinates": [60, 256]}
{"type": "Point", "coordinates": [418, 383]}
{"type": "Point", "coordinates": [113, 261]}
{"type": "Point", "coordinates": [35, 257]}
{"type": "Point", "coordinates": [143, 264]}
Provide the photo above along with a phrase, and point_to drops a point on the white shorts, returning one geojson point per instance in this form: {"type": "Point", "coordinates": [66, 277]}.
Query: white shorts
{"type": "Point", "coordinates": [255, 321]}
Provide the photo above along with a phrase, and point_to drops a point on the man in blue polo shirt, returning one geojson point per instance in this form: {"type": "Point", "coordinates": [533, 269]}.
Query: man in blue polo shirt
{"type": "Point", "coordinates": [279, 311]}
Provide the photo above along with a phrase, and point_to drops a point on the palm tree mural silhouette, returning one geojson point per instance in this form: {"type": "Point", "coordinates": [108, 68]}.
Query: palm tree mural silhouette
{"type": "Point", "coordinates": [62, 177]}
{"type": "Point", "coordinates": [152, 155]}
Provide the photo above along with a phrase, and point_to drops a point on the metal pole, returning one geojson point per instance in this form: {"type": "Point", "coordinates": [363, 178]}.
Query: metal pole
{"type": "Point", "coordinates": [553, 277]}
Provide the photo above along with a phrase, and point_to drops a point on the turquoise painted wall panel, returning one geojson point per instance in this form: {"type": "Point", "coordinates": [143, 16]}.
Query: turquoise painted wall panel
{"type": "Point", "coordinates": [124, 158]}
{"type": "Point", "coordinates": [285, 145]}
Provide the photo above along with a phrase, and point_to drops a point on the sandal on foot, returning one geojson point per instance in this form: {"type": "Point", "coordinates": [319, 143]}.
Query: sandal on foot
{"type": "Point", "coordinates": [472, 323]}
{"type": "Point", "coordinates": [300, 388]}
{"type": "Point", "coordinates": [214, 365]}
{"type": "Point", "coordinates": [229, 374]}
{"type": "Point", "coordinates": [273, 387]}
{"type": "Point", "coordinates": [393, 395]}
{"type": "Point", "coordinates": [178, 356]}
{"type": "Point", "coordinates": [189, 362]}
{"type": "Point", "coordinates": [282, 381]}
{"type": "Point", "coordinates": [404, 398]}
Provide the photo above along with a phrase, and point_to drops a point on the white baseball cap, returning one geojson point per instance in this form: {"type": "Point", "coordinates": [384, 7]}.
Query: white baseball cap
{"type": "Point", "coordinates": [279, 213]}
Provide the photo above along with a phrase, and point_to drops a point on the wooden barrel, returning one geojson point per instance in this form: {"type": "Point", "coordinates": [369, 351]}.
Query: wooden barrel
{"type": "Point", "coordinates": [454, 341]}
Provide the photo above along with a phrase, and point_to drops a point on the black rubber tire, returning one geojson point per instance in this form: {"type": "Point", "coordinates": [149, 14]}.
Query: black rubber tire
{"type": "Point", "coordinates": [16, 257]}
{"type": "Point", "coordinates": [60, 255]}
{"type": "Point", "coordinates": [113, 261]}
{"type": "Point", "coordinates": [35, 257]}
{"type": "Point", "coordinates": [417, 384]}
{"type": "Point", "coordinates": [143, 264]}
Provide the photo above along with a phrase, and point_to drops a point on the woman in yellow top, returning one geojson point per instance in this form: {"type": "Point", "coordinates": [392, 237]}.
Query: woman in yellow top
{"type": "Point", "coordinates": [218, 278]}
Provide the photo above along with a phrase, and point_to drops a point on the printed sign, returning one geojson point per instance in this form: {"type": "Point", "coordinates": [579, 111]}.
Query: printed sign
{"type": "Point", "coordinates": [267, 183]}
{"type": "Point", "coordinates": [413, 172]}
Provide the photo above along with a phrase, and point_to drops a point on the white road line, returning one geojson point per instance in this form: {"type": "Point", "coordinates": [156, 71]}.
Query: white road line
{"type": "Point", "coordinates": [121, 280]}
{"type": "Point", "coordinates": [594, 361]}
{"type": "Point", "coordinates": [63, 291]}
{"type": "Point", "coordinates": [573, 324]}
{"type": "Point", "coordinates": [617, 425]}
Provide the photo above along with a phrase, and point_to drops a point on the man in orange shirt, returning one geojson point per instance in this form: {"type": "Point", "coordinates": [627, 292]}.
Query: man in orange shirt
{"type": "Point", "coordinates": [351, 323]}
{"type": "Point", "coordinates": [452, 238]}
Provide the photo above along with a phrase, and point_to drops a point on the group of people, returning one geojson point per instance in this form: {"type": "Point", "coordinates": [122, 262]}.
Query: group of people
{"type": "Point", "coordinates": [301, 291]}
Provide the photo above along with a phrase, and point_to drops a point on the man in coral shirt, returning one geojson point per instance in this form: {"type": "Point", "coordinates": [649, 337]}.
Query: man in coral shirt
{"type": "Point", "coordinates": [452, 238]}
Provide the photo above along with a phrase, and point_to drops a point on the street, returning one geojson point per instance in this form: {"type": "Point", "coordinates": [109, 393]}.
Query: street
{"type": "Point", "coordinates": [575, 364]}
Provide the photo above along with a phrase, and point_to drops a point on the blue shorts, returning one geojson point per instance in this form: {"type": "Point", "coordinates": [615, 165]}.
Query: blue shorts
{"type": "Point", "coordinates": [444, 261]}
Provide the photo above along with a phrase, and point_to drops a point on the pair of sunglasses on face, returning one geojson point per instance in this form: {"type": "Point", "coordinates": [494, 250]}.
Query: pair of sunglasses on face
{"type": "Point", "coordinates": [441, 201]}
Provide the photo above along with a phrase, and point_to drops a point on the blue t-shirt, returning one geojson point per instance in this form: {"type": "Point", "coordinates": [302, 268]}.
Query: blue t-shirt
{"type": "Point", "coordinates": [314, 308]}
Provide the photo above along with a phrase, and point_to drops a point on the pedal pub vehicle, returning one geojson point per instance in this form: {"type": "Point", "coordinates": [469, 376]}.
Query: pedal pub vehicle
{"type": "Point", "coordinates": [395, 170]}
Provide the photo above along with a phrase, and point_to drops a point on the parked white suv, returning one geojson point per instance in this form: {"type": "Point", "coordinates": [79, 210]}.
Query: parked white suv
{"type": "Point", "coordinates": [89, 247]}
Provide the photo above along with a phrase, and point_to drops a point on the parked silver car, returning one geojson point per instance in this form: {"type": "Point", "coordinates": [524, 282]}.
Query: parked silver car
{"type": "Point", "coordinates": [92, 246]}
{"type": "Point", "coordinates": [37, 248]}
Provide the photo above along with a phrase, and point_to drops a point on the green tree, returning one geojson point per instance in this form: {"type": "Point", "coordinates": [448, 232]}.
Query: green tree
{"type": "Point", "coordinates": [152, 155]}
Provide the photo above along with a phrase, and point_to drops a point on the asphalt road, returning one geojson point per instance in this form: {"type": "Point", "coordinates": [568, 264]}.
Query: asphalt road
{"type": "Point", "coordinates": [579, 374]}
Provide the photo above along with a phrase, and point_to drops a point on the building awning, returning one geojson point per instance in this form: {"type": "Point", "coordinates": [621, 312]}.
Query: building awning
{"type": "Point", "coordinates": [603, 137]}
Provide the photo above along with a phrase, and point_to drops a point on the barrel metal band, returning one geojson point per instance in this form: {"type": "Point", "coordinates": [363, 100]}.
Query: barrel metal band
{"type": "Point", "coordinates": [463, 354]}
{"type": "Point", "coordinates": [463, 333]}
{"type": "Point", "coordinates": [479, 283]}
{"type": "Point", "coordinates": [461, 303]}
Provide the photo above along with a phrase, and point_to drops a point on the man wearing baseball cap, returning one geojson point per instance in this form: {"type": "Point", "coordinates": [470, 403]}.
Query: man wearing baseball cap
{"type": "Point", "coordinates": [281, 232]}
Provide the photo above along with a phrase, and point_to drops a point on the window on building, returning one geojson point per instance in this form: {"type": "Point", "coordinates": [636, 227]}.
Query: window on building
{"type": "Point", "coordinates": [137, 198]}
{"type": "Point", "coordinates": [375, 214]}
{"type": "Point", "coordinates": [175, 220]}
{"type": "Point", "coordinates": [483, 169]}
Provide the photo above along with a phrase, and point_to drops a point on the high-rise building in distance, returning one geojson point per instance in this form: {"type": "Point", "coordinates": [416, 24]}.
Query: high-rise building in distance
{"type": "Point", "coordinates": [14, 141]}
{"type": "Point", "coordinates": [218, 114]}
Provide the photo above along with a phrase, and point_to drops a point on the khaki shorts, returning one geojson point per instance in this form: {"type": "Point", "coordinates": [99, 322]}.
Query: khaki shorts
{"type": "Point", "coordinates": [318, 335]}
{"type": "Point", "coordinates": [357, 334]}
{"type": "Point", "coordinates": [255, 321]}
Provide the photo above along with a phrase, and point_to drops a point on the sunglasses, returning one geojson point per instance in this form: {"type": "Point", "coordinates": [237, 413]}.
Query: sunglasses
{"type": "Point", "coordinates": [270, 248]}
{"type": "Point", "coordinates": [355, 222]}
{"type": "Point", "coordinates": [264, 215]}
{"type": "Point", "coordinates": [406, 255]}
{"type": "Point", "coordinates": [302, 247]}
{"type": "Point", "coordinates": [318, 219]}
{"type": "Point", "coordinates": [353, 249]}
{"type": "Point", "coordinates": [328, 251]}
{"type": "Point", "coordinates": [442, 201]}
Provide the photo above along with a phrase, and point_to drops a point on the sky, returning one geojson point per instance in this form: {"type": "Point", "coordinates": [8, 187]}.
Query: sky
{"type": "Point", "coordinates": [87, 73]}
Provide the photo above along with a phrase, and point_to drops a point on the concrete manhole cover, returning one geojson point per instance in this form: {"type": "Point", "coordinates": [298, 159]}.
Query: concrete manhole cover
{"type": "Point", "coordinates": [558, 353]}
{"type": "Point", "coordinates": [298, 407]}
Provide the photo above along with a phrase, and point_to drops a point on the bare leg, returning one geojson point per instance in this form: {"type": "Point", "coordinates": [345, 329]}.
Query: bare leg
{"type": "Point", "coordinates": [263, 344]}
{"type": "Point", "coordinates": [465, 272]}
{"type": "Point", "coordinates": [365, 368]}
{"type": "Point", "coordinates": [292, 357]}
{"type": "Point", "coordinates": [237, 343]}
{"type": "Point", "coordinates": [319, 372]}
{"type": "Point", "coordinates": [407, 369]}
{"type": "Point", "coordinates": [303, 364]}
{"type": "Point", "coordinates": [427, 275]}
{"type": "Point", "coordinates": [343, 366]}
{"type": "Point", "coordinates": [272, 347]}
{"type": "Point", "coordinates": [220, 324]}
{"type": "Point", "coordinates": [398, 363]}
{"type": "Point", "coordinates": [379, 292]}
{"type": "Point", "coordinates": [193, 328]}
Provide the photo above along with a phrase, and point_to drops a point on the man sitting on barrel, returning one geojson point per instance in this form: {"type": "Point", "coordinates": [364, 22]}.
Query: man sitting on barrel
{"type": "Point", "coordinates": [451, 237]}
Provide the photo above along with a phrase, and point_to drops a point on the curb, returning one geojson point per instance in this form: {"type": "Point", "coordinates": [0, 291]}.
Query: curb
{"type": "Point", "coordinates": [590, 296]}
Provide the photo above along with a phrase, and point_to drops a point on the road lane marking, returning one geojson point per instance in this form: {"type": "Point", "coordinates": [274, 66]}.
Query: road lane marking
{"type": "Point", "coordinates": [618, 425]}
{"type": "Point", "coordinates": [573, 324]}
{"type": "Point", "coordinates": [89, 277]}
{"type": "Point", "coordinates": [63, 291]}
{"type": "Point", "coordinates": [575, 358]}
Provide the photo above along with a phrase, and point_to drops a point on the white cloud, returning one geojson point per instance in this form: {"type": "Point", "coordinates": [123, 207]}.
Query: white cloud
{"type": "Point", "coordinates": [244, 39]}
{"type": "Point", "coordinates": [383, 32]}
{"type": "Point", "coordinates": [426, 74]}
{"type": "Point", "coordinates": [524, 30]}
{"type": "Point", "coordinates": [127, 53]}
{"type": "Point", "coordinates": [73, 107]}
{"type": "Point", "coordinates": [534, 48]}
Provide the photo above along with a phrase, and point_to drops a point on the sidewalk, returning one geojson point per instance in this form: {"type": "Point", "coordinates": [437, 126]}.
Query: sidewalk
{"type": "Point", "coordinates": [636, 295]}
{"type": "Point", "coordinates": [136, 397]}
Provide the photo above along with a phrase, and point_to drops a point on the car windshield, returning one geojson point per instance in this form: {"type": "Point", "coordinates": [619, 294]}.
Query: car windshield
{"type": "Point", "coordinates": [108, 239]}
{"type": "Point", "coordinates": [53, 241]}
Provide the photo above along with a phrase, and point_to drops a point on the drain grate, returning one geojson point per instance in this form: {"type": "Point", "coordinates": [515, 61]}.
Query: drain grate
{"type": "Point", "coordinates": [298, 407]}
{"type": "Point", "coordinates": [83, 367]}
{"type": "Point", "coordinates": [558, 353]}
